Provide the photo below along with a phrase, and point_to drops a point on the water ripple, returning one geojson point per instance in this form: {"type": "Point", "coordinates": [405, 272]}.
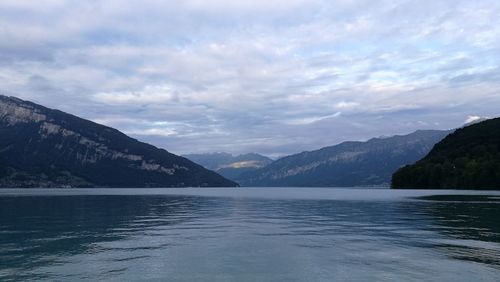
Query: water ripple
{"type": "Point", "coordinates": [195, 237]}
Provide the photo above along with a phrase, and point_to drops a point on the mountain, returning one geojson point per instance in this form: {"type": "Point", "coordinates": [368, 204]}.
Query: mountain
{"type": "Point", "coordinates": [467, 159]}
{"type": "Point", "coordinates": [41, 147]}
{"type": "Point", "coordinates": [228, 165]}
{"type": "Point", "coordinates": [369, 163]}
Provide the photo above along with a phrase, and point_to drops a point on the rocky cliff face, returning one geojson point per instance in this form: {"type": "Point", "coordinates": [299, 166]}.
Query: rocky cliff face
{"type": "Point", "coordinates": [368, 163]}
{"type": "Point", "coordinates": [41, 147]}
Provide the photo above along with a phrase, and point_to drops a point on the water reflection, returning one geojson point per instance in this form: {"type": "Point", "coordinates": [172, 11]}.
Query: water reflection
{"type": "Point", "coordinates": [190, 238]}
{"type": "Point", "coordinates": [471, 225]}
{"type": "Point", "coordinates": [40, 231]}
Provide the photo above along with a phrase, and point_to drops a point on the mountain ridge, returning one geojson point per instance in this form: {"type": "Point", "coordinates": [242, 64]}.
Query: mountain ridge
{"type": "Point", "coordinates": [469, 158]}
{"type": "Point", "coordinates": [228, 165]}
{"type": "Point", "coordinates": [350, 163]}
{"type": "Point", "coordinates": [49, 148]}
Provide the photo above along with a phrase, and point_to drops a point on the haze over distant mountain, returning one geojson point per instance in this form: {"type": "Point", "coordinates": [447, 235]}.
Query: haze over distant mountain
{"type": "Point", "coordinates": [467, 159]}
{"type": "Point", "coordinates": [228, 165]}
{"type": "Point", "coordinates": [41, 147]}
{"type": "Point", "coordinates": [369, 163]}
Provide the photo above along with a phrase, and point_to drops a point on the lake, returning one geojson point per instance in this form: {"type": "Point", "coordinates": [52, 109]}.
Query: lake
{"type": "Point", "coordinates": [249, 234]}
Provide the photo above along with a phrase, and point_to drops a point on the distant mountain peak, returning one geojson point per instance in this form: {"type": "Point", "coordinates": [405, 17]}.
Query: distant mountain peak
{"type": "Point", "coordinates": [229, 165]}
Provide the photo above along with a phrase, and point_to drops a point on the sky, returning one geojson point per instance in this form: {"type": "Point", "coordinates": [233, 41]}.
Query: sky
{"type": "Point", "coordinates": [274, 77]}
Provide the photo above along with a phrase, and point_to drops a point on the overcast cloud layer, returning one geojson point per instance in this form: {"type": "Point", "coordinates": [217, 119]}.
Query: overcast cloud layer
{"type": "Point", "coordinates": [274, 76]}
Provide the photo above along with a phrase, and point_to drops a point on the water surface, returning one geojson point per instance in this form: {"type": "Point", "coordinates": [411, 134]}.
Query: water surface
{"type": "Point", "coordinates": [249, 234]}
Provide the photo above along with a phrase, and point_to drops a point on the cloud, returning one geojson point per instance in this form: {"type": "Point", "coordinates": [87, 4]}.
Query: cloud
{"type": "Point", "coordinates": [309, 120]}
{"type": "Point", "coordinates": [150, 94]}
{"type": "Point", "coordinates": [153, 131]}
{"type": "Point", "coordinates": [268, 76]}
{"type": "Point", "coordinates": [474, 119]}
{"type": "Point", "coordinates": [346, 105]}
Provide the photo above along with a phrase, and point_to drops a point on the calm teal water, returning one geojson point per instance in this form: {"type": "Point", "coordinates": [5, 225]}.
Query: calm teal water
{"type": "Point", "coordinates": [274, 234]}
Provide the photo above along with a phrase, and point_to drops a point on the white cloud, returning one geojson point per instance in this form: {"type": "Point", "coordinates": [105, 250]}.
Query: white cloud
{"type": "Point", "coordinates": [309, 120]}
{"type": "Point", "coordinates": [346, 105]}
{"type": "Point", "coordinates": [150, 94]}
{"type": "Point", "coordinates": [474, 119]}
{"type": "Point", "coordinates": [270, 76]}
{"type": "Point", "coordinates": [471, 119]}
{"type": "Point", "coordinates": [153, 131]}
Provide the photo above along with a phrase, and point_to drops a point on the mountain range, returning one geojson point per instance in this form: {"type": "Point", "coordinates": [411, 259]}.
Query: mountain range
{"type": "Point", "coordinates": [228, 165]}
{"type": "Point", "coordinates": [41, 147]}
{"type": "Point", "coordinates": [369, 163]}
